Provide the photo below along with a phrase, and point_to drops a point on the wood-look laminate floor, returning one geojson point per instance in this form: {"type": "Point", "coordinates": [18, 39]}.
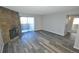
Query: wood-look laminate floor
{"type": "Point", "coordinates": [40, 42]}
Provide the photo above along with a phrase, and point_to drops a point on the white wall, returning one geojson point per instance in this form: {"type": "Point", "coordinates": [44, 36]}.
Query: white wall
{"type": "Point", "coordinates": [56, 23]}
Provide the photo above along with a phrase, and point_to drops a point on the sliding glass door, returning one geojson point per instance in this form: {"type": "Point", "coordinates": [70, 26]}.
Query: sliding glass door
{"type": "Point", "coordinates": [27, 24]}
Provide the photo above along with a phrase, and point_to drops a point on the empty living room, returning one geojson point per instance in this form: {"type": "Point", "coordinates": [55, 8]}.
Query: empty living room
{"type": "Point", "coordinates": [39, 29]}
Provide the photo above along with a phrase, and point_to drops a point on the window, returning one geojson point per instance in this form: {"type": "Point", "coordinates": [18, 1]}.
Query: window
{"type": "Point", "coordinates": [76, 21]}
{"type": "Point", "coordinates": [27, 24]}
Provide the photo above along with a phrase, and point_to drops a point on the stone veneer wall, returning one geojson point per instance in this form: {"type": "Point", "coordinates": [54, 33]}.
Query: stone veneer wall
{"type": "Point", "coordinates": [8, 19]}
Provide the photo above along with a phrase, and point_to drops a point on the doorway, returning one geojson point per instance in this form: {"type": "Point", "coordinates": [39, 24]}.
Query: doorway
{"type": "Point", "coordinates": [72, 26]}
{"type": "Point", "coordinates": [27, 24]}
{"type": "Point", "coordinates": [75, 25]}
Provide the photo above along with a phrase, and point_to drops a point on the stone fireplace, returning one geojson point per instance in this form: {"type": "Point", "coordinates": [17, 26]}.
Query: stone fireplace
{"type": "Point", "coordinates": [9, 24]}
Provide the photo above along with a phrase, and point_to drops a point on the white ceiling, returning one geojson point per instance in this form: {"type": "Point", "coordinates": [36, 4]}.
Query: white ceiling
{"type": "Point", "coordinates": [40, 10]}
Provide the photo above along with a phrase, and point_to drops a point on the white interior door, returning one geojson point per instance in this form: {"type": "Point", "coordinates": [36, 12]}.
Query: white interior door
{"type": "Point", "coordinates": [76, 45]}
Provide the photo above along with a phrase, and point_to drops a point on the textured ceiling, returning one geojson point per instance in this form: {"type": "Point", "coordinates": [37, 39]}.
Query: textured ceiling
{"type": "Point", "coordinates": [40, 10]}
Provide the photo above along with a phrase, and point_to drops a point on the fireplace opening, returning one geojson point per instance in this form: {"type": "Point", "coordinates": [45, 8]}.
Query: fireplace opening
{"type": "Point", "coordinates": [13, 32]}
